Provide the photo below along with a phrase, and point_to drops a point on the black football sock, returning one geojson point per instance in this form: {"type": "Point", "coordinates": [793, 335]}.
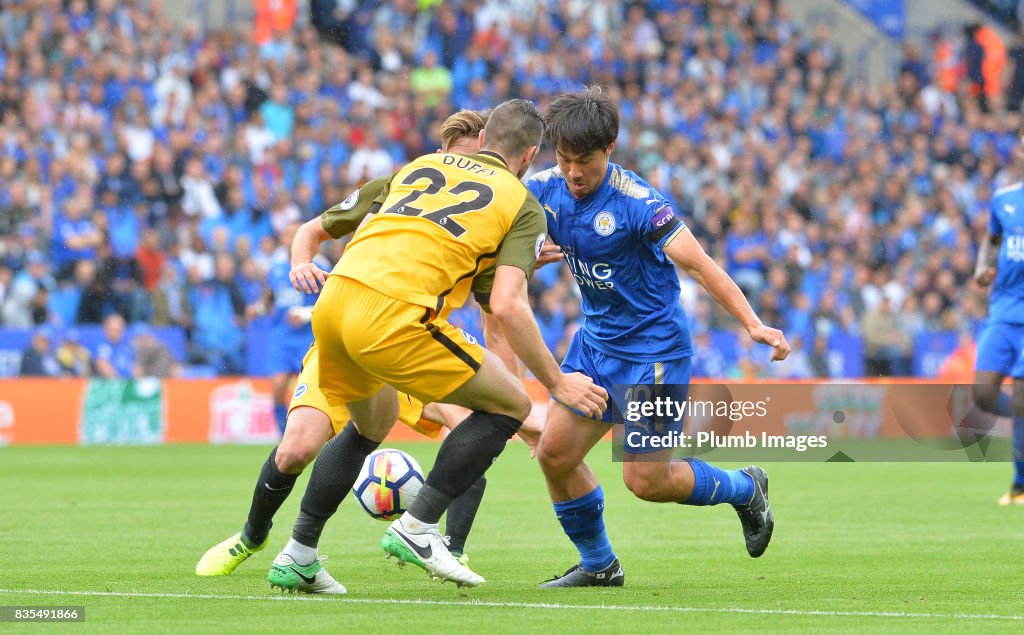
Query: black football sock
{"type": "Point", "coordinates": [464, 456]}
{"type": "Point", "coordinates": [461, 514]}
{"type": "Point", "coordinates": [272, 488]}
{"type": "Point", "coordinates": [334, 473]}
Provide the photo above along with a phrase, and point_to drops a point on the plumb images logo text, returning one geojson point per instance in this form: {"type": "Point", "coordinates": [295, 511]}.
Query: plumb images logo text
{"type": "Point", "coordinates": [707, 440]}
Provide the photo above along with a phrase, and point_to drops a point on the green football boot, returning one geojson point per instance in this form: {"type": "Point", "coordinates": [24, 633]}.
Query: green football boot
{"type": "Point", "coordinates": [289, 576]}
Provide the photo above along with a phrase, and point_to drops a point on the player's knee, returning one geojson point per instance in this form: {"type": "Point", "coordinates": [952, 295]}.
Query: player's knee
{"type": "Point", "coordinates": [555, 465]}
{"type": "Point", "coordinates": [292, 458]}
{"type": "Point", "coordinates": [642, 487]}
{"type": "Point", "coordinates": [521, 406]}
{"type": "Point", "coordinates": [645, 481]}
{"type": "Point", "coordinates": [514, 403]}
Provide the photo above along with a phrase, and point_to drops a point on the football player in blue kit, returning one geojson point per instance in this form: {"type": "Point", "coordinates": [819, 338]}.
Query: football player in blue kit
{"type": "Point", "coordinates": [621, 240]}
{"type": "Point", "coordinates": [1001, 339]}
{"type": "Point", "coordinates": [290, 331]}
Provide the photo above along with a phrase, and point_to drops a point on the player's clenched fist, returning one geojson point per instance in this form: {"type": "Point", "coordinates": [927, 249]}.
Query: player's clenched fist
{"type": "Point", "coordinates": [580, 393]}
{"type": "Point", "coordinates": [307, 277]}
{"type": "Point", "coordinates": [771, 337]}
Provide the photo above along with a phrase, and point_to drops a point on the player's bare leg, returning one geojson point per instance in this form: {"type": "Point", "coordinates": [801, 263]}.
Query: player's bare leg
{"type": "Point", "coordinates": [499, 405]}
{"type": "Point", "coordinates": [641, 474]}
{"type": "Point", "coordinates": [577, 497]}
{"type": "Point", "coordinates": [307, 431]}
{"type": "Point", "coordinates": [987, 392]}
{"type": "Point", "coordinates": [298, 567]}
{"type": "Point", "coordinates": [564, 444]}
{"type": "Point", "coordinates": [493, 389]}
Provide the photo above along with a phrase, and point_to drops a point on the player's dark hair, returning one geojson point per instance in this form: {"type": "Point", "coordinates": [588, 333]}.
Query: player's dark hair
{"type": "Point", "coordinates": [582, 122]}
{"type": "Point", "coordinates": [513, 127]}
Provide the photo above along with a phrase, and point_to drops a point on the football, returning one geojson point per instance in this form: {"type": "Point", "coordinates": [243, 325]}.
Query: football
{"type": "Point", "coordinates": [388, 483]}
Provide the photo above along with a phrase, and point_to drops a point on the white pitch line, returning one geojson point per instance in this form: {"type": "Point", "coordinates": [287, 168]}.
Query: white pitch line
{"type": "Point", "coordinates": [525, 605]}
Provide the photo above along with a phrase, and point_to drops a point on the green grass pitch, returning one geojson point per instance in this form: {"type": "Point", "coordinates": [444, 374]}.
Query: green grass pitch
{"type": "Point", "coordinates": [884, 547]}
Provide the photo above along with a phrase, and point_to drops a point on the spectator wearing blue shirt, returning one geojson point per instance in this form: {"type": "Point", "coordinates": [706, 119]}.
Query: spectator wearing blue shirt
{"type": "Point", "coordinates": [746, 251]}
{"type": "Point", "coordinates": [75, 237]}
{"type": "Point", "coordinates": [245, 221]}
{"type": "Point", "coordinates": [79, 16]}
{"type": "Point", "coordinates": [708, 360]}
{"type": "Point", "coordinates": [66, 298]}
{"type": "Point", "coordinates": [278, 114]}
{"type": "Point", "coordinates": [550, 317]}
{"type": "Point", "coordinates": [219, 307]}
{"type": "Point", "coordinates": [115, 357]}
{"type": "Point", "coordinates": [122, 224]}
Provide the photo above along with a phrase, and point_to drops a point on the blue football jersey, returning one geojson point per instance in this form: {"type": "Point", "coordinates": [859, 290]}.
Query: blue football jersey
{"type": "Point", "coordinates": [612, 240]}
{"type": "Point", "coordinates": [1006, 219]}
{"type": "Point", "coordinates": [286, 298]}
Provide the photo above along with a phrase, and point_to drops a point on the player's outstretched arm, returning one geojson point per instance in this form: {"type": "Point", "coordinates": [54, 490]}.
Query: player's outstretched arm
{"type": "Point", "coordinates": [988, 256]}
{"type": "Point", "coordinates": [685, 251]}
{"type": "Point", "coordinates": [306, 276]}
{"type": "Point", "coordinates": [511, 309]}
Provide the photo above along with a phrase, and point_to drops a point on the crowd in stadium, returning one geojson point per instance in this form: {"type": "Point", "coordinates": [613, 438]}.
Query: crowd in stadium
{"type": "Point", "coordinates": [152, 171]}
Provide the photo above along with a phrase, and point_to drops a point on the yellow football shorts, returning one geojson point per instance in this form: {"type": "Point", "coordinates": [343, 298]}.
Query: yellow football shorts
{"type": "Point", "coordinates": [368, 339]}
{"type": "Point", "coordinates": [307, 393]}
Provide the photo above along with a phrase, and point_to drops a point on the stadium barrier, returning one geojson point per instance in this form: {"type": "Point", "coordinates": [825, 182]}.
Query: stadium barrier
{"type": "Point", "coordinates": [149, 411]}
{"type": "Point", "coordinates": [845, 350]}
{"type": "Point", "coordinates": [240, 410]}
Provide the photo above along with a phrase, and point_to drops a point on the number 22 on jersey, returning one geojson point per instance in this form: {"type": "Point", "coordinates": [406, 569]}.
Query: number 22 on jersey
{"type": "Point", "coordinates": [432, 183]}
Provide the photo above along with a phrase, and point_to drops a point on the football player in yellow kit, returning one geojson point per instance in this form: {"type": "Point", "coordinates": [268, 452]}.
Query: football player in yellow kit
{"type": "Point", "coordinates": [312, 422]}
{"type": "Point", "coordinates": [449, 224]}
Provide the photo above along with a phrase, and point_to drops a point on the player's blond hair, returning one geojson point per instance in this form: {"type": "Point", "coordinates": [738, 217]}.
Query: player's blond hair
{"type": "Point", "coordinates": [465, 123]}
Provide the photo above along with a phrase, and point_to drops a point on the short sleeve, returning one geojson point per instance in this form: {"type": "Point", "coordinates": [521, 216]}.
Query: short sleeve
{"type": "Point", "coordinates": [535, 186]}
{"type": "Point", "coordinates": [522, 244]}
{"type": "Point", "coordinates": [482, 285]}
{"type": "Point", "coordinates": [345, 217]}
{"type": "Point", "coordinates": [659, 222]}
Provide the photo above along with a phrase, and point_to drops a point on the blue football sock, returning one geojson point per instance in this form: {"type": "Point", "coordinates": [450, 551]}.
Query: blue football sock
{"type": "Point", "coordinates": [281, 416]}
{"type": "Point", "coordinates": [1018, 450]}
{"type": "Point", "coordinates": [582, 520]}
{"type": "Point", "coordinates": [714, 486]}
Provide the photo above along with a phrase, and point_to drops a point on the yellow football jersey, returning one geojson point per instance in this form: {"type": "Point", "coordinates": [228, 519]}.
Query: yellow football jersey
{"type": "Point", "coordinates": [445, 219]}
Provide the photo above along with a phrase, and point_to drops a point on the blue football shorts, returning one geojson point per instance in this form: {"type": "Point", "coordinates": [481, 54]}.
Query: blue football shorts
{"type": "Point", "coordinates": [631, 381]}
{"type": "Point", "coordinates": [1001, 349]}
